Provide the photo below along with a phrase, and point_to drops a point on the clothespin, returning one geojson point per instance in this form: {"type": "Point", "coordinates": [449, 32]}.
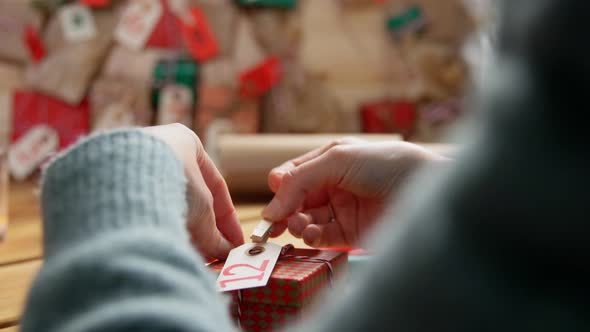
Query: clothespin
{"type": "Point", "coordinates": [261, 232]}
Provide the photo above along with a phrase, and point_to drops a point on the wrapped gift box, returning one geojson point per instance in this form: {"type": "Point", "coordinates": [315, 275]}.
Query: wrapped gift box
{"type": "Point", "coordinates": [298, 277]}
{"type": "Point", "coordinates": [32, 108]}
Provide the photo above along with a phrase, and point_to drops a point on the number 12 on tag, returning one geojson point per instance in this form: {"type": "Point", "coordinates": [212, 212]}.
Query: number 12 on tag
{"type": "Point", "coordinates": [248, 266]}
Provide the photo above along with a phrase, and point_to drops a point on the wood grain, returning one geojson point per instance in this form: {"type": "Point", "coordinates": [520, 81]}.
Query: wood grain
{"type": "Point", "coordinates": [20, 253]}
{"type": "Point", "coordinates": [24, 238]}
{"type": "Point", "coordinates": [16, 280]}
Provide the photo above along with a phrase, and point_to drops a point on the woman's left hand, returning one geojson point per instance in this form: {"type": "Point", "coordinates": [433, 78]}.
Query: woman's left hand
{"type": "Point", "coordinates": [212, 220]}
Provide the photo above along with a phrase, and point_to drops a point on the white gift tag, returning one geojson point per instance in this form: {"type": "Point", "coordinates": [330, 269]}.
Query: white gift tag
{"type": "Point", "coordinates": [175, 105]}
{"type": "Point", "coordinates": [77, 23]}
{"type": "Point", "coordinates": [31, 150]}
{"type": "Point", "coordinates": [137, 23]}
{"type": "Point", "coordinates": [249, 265]}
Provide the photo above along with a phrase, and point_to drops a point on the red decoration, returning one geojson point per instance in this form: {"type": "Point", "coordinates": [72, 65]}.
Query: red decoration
{"type": "Point", "coordinates": [32, 108]}
{"type": "Point", "coordinates": [259, 80]}
{"type": "Point", "coordinates": [389, 117]}
{"type": "Point", "coordinates": [198, 36]}
{"type": "Point", "coordinates": [34, 43]}
{"type": "Point", "coordinates": [297, 278]}
{"type": "Point", "coordinates": [96, 3]}
{"type": "Point", "coordinates": [167, 32]}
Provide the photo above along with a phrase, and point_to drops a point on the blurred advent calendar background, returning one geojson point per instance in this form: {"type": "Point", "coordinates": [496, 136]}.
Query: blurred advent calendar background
{"type": "Point", "coordinates": [262, 66]}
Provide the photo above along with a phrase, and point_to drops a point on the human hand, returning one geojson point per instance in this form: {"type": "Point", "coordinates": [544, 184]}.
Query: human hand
{"type": "Point", "coordinates": [333, 195]}
{"type": "Point", "coordinates": [211, 219]}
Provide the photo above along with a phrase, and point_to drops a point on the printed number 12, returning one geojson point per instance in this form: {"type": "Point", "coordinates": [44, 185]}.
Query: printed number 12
{"type": "Point", "coordinates": [227, 272]}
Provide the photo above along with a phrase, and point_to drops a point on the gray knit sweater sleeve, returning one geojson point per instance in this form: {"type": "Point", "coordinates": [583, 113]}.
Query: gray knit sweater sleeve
{"type": "Point", "coordinates": [118, 257]}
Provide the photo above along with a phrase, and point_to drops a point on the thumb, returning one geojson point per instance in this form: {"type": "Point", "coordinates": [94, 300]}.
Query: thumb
{"type": "Point", "coordinates": [327, 170]}
{"type": "Point", "coordinates": [207, 238]}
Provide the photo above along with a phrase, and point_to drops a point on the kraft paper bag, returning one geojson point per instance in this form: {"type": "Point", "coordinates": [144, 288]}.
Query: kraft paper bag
{"type": "Point", "coordinates": [68, 69]}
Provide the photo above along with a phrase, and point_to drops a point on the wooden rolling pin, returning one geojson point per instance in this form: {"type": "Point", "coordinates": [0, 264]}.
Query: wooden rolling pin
{"type": "Point", "coordinates": [246, 160]}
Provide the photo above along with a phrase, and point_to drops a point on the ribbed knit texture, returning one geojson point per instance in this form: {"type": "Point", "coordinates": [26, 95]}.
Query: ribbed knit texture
{"type": "Point", "coordinates": [118, 256]}
{"type": "Point", "coordinates": [101, 185]}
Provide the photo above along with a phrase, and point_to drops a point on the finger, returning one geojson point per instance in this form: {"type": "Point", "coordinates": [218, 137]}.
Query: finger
{"type": "Point", "coordinates": [276, 174]}
{"type": "Point", "coordinates": [326, 170]}
{"type": "Point", "coordinates": [278, 229]}
{"type": "Point", "coordinates": [327, 235]}
{"type": "Point", "coordinates": [316, 199]}
{"type": "Point", "coordinates": [299, 221]}
{"type": "Point", "coordinates": [226, 217]}
{"type": "Point", "coordinates": [207, 238]}
{"type": "Point", "coordinates": [201, 219]}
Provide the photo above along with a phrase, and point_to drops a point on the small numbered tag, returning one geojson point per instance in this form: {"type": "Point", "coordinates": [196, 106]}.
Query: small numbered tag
{"type": "Point", "coordinates": [77, 23]}
{"type": "Point", "coordinates": [249, 265]}
{"type": "Point", "coordinates": [137, 23]}
{"type": "Point", "coordinates": [198, 36]}
{"type": "Point", "coordinates": [176, 102]}
{"type": "Point", "coordinates": [31, 150]}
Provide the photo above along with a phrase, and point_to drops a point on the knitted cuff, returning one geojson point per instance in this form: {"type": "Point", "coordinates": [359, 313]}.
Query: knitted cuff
{"type": "Point", "coordinates": [112, 182]}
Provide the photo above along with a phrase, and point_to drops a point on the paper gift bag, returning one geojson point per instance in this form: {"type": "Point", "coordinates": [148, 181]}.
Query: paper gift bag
{"type": "Point", "coordinates": [69, 67]}
{"type": "Point", "coordinates": [131, 65]}
{"type": "Point", "coordinates": [174, 91]}
{"type": "Point", "coordinates": [116, 102]}
{"type": "Point", "coordinates": [15, 17]}
{"type": "Point", "coordinates": [32, 108]}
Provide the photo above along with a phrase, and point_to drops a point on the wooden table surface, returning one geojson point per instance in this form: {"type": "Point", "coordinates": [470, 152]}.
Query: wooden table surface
{"type": "Point", "coordinates": [21, 252]}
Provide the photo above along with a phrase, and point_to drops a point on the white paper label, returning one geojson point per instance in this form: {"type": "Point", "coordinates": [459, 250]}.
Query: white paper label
{"type": "Point", "coordinates": [244, 268]}
{"type": "Point", "coordinates": [77, 23]}
{"type": "Point", "coordinates": [31, 150]}
{"type": "Point", "coordinates": [137, 23]}
{"type": "Point", "coordinates": [175, 105]}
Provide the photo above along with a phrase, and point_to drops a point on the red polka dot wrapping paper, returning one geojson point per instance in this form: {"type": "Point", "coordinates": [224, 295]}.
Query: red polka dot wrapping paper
{"type": "Point", "coordinates": [297, 278]}
{"type": "Point", "coordinates": [31, 108]}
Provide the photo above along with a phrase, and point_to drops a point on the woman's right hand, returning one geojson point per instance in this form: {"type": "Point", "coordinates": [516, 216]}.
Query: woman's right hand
{"type": "Point", "coordinates": [333, 195]}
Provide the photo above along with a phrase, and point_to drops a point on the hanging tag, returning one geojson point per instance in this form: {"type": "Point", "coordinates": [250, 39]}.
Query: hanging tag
{"type": "Point", "coordinates": [34, 43]}
{"type": "Point", "coordinates": [137, 23]}
{"type": "Point", "coordinates": [259, 80]}
{"type": "Point", "coordinates": [198, 36]}
{"type": "Point", "coordinates": [31, 150]}
{"type": "Point", "coordinates": [175, 105]}
{"type": "Point", "coordinates": [77, 23]}
{"type": "Point", "coordinates": [96, 3]}
{"type": "Point", "coordinates": [249, 265]}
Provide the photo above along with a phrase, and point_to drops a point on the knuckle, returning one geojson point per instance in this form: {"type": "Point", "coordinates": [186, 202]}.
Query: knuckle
{"type": "Point", "coordinates": [289, 178]}
{"type": "Point", "coordinates": [339, 152]}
